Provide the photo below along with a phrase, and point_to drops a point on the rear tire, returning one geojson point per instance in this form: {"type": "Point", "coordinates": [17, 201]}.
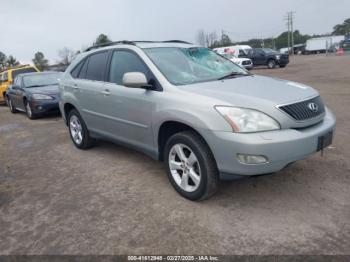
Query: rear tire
{"type": "Point", "coordinates": [271, 64]}
{"type": "Point", "coordinates": [191, 166]}
{"type": "Point", "coordinates": [282, 66]}
{"type": "Point", "coordinates": [78, 131]}
{"type": "Point", "coordinates": [12, 108]}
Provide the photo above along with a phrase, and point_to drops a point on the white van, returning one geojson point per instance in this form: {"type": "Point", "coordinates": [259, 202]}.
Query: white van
{"type": "Point", "coordinates": [236, 54]}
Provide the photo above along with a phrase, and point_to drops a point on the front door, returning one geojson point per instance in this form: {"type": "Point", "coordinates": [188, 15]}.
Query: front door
{"type": "Point", "coordinates": [128, 110]}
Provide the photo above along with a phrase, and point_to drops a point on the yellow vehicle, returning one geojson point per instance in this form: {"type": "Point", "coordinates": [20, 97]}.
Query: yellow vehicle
{"type": "Point", "coordinates": [8, 75]}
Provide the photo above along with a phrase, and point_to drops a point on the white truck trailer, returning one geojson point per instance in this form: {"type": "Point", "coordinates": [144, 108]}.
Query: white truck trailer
{"type": "Point", "coordinates": [322, 44]}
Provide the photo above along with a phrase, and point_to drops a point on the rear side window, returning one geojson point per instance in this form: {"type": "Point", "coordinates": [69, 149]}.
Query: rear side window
{"type": "Point", "coordinates": [97, 66]}
{"type": "Point", "coordinates": [124, 62]}
{"type": "Point", "coordinates": [22, 71]}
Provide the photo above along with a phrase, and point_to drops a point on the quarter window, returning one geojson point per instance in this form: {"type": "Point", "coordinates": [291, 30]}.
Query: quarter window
{"type": "Point", "coordinates": [75, 72]}
{"type": "Point", "coordinates": [124, 62]}
{"type": "Point", "coordinates": [97, 66]}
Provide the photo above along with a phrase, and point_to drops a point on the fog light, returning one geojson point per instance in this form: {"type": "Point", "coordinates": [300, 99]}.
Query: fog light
{"type": "Point", "coordinates": [251, 159]}
{"type": "Point", "coordinates": [40, 107]}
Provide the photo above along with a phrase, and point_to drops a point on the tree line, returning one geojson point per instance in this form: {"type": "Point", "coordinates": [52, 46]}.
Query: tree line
{"type": "Point", "coordinates": [211, 39]}
{"type": "Point", "coordinates": [66, 55]}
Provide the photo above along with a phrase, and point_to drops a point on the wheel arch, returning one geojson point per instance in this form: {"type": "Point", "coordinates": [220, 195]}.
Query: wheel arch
{"type": "Point", "coordinates": [67, 107]}
{"type": "Point", "coordinates": [169, 128]}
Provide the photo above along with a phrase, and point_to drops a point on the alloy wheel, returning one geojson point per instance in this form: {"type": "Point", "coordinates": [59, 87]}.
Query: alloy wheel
{"type": "Point", "coordinates": [29, 110]}
{"type": "Point", "coordinates": [76, 129]}
{"type": "Point", "coordinates": [184, 167]}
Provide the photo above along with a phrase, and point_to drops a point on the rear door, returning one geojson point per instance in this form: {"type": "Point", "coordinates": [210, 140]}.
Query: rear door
{"type": "Point", "coordinates": [87, 88]}
{"type": "Point", "coordinates": [259, 57]}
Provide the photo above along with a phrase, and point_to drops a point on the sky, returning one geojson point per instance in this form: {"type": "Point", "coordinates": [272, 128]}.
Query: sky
{"type": "Point", "coordinates": [29, 26]}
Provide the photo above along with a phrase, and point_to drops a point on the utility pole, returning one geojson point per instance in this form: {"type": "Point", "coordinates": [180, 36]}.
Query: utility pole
{"type": "Point", "coordinates": [292, 30]}
{"type": "Point", "coordinates": [290, 26]}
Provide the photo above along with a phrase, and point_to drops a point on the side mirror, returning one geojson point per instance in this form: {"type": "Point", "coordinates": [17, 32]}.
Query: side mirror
{"type": "Point", "coordinates": [135, 80]}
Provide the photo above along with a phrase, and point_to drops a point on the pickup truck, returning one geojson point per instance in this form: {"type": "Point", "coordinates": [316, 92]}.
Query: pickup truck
{"type": "Point", "coordinates": [267, 57]}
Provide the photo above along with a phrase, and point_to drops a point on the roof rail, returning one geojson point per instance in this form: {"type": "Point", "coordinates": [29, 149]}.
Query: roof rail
{"type": "Point", "coordinates": [127, 42]}
{"type": "Point", "coordinates": [176, 41]}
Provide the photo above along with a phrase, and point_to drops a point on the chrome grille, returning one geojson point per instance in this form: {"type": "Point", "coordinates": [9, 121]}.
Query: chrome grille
{"type": "Point", "coordinates": [305, 110]}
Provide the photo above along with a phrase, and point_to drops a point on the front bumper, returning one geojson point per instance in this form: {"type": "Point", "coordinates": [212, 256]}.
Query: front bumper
{"type": "Point", "coordinates": [281, 147]}
{"type": "Point", "coordinates": [249, 67]}
{"type": "Point", "coordinates": [283, 62]}
{"type": "Point", "coordinates": [44, 107]}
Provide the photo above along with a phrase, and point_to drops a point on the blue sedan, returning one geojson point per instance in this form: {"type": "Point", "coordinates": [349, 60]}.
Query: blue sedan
{"type": "Point", "coordinates": [36, 94]}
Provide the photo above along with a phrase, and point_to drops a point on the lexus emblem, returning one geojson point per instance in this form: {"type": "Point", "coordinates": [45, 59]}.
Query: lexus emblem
{"type": "Point", "coordinates": [313, 107]}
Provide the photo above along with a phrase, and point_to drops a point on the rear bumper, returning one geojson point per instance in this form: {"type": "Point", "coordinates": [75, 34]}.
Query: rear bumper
{"type": "Point", "coordinates": [281, 147]}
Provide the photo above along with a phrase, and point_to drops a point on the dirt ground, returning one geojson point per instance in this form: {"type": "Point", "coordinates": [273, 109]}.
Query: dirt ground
{"type": "Point", "coordinates": [55, 199]}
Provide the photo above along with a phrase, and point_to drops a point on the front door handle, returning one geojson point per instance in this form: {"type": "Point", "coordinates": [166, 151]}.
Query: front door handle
{"type": "Point", "coordinates": [106, 92]}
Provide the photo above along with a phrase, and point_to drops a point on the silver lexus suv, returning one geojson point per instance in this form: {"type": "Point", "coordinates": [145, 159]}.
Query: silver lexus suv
{"type": "Point", "coordinates": [204, 116]}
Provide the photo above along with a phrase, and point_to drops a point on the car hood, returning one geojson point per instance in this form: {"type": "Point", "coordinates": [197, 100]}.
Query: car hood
{"type": "Point", "coordinates": [253, 91]}
{"type": "Point", "coordinates": [46, 90]}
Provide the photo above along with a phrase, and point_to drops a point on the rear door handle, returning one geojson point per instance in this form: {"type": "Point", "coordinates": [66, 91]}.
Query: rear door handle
{"type": "Point", "coordinates": [75, 86]}
{"type": "Point", "coordinates": [106, 92]}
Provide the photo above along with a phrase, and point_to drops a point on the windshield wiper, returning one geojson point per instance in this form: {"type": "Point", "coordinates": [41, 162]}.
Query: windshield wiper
{"type": "Point", "coordinates": [40, 85]}
{"type": "Point", "coordinates": [233, 74]}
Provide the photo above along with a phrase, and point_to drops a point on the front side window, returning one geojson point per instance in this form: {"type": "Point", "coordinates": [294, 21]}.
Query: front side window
{"type": "Point", "coordinates": [96, 66]}
{"type": "Point", "coordinates": [124, 62]}
{"type": "Point", "coordinates": [183, 66]}
{"type": "Point", "coordinates": [38, 80]}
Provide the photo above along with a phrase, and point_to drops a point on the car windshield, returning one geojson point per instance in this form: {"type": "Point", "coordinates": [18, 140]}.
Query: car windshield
{"type": "Point", "coordinates": [40, 80]}
{"type": "Point", "coordinates": [182, 66]}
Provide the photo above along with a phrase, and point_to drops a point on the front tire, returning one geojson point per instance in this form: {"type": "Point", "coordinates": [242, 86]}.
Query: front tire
{"type": "Point", "coordinates": [190, 165]}
{"type": "Point", "coordinates": [12, 108]}
{"type": "Point", "coordinates": [282, 66]}
{"type": "Point", "coordinates": [29, 111]}
{"type": "Point", "coordinates": [78, 131]}
{"type": "Point", "coordinates": [271, 64]}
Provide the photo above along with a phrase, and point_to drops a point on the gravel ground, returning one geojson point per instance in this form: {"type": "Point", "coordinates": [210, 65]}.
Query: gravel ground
{"type": "Point", "coordinates": [55, 199]}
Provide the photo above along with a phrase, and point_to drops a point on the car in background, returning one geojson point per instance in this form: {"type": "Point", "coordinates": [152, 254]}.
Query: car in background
{"type": "Point", "coordinates": [36, 94]}
{"type": "Point", "coordinates": [230, 54]}
{"type": "Point", "coordinates": [268, 57]}
{"type": "Point", "coordinates": [204, 116]}
{"type": "Point", "coordinates": [8, 75]}
{"type": "Point", "coordinates": [243, 62]}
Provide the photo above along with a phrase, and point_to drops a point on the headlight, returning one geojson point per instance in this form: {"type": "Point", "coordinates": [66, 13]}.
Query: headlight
{"type": "Point", "coordinates": [278, 57]}
{"type": "Point", "coordinates": [41, 97]}
{"type": "Point", "coordinates": [243, 120]}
